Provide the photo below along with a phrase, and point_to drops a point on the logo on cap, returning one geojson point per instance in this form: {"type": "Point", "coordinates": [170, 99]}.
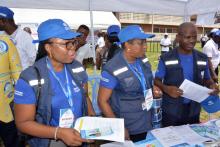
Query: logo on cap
{"type": "Point", "coordinates": [141, 29]}
{"type": "Point", "coordinates": [210, 103]}
{"type": "Point", "coordinates": [3, 15]}
{"type": "Point", "coordinates": [66, 26]}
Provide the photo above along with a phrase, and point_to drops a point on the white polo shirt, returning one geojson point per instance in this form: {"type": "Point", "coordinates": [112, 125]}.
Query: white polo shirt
{"type": "Point", "coordinates": [84, 52]}
{"type": "Point", "coordinates": [101, 42]}
{"type": "Point", "coordinates": [165, 42]}
{"type": "Point", "coordinates": [211, 50]}
{"type": "Point", "coordinates": [26, 49]}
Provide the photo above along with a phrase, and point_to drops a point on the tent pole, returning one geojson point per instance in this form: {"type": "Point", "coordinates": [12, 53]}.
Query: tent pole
{"type": "Point", "coordinates": [186, 17]}
{"type": "Point", "coordinates": [203, 30]}
{"type": "Point", "coordinates": [92, 35]}
{"type": "Point", "coordinates": [152, 23]}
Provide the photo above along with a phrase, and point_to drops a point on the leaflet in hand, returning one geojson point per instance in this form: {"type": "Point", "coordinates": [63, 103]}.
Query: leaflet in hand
{"type": "Point", "coordinates": [99, 128]}
{"type": "Point", "coordinates": [194, 91]}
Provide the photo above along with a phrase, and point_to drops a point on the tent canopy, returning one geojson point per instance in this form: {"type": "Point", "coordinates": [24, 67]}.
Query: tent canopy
{"type": "Point", "coordinates": [164, 7]}
{"type": "Point", "coordinates": [101, 19]}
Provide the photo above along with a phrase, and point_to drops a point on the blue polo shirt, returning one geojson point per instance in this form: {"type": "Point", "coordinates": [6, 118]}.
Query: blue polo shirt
{"type": "Point", "coordinates": [109, 81]}
{"type": "Point", "coordinates": [59, 100]}
{"type": "Point", "coordinates": [186, 62]}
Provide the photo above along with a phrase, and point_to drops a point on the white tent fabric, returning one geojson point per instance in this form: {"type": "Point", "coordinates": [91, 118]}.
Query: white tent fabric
{"type": "Point", "coordinates": [201, 7]}
{"type": "Point", "coordinates": [145, 6]}
{"type": "Point", "coordinates": [164, 7]}
{"type": "Point", "coordinates": [101, 20]}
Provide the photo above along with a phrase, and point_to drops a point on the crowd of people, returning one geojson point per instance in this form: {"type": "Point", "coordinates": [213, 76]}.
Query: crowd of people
{"type": "Point", "coordinates": [44, 90]}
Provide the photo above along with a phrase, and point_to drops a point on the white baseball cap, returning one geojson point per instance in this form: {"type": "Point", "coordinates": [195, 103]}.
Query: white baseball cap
{"type": "Point", "coordinates": [214, 30]}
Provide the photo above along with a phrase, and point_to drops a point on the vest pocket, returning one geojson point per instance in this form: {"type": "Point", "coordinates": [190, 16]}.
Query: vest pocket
{"type": "Point", "coordinates": [130, 84]}
{"type": "Point", "coordinates": [131, 105]}
{"type": "Point", "coordinates": [172, 106]}
{"type": "Point", "coordinates": [137, 122]}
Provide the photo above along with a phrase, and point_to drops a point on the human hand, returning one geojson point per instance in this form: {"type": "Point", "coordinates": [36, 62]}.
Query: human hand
{"type": "Point", "coordinates": [127, 136]}
{"type": "Point", "coordinates": [173, 91]}
{"type": "Point", "coordinates": [215, 78]}
{"type": "Point", "coordinates": [70, 137]}
{"type": "Point", "coordinates": [157, 92]}
{"type": "Point", "coordinates": [215, 88]}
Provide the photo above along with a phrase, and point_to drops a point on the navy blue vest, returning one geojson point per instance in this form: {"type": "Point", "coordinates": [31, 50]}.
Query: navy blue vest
{"type": "Point", "coordinates": [126, 100]}
{"type": "Point", "coordinates": [174, 76]}
{"type": "Point", "coordinates": [43, 114]}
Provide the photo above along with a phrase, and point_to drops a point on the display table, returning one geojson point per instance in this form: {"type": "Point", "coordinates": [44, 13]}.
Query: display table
{"type": "Point", "coordinates": [195, 135]}
{"type": "Point", "coordinates": [209, 131]}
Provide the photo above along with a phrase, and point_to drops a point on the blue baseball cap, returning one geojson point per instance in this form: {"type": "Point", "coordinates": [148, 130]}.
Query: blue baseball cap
{"type": "Point", "coordinates": [217, 33]}
{"type": "Point", "coordinates": [55, 28]}
{"type": "Point", "coordinates": [211, 104]}
{"type": "Point", "coordinates": [113, 30]}
{"type": "Point", "coordinates": [133, 32]}
{"type": "Point", "coordinates": [6, 13]}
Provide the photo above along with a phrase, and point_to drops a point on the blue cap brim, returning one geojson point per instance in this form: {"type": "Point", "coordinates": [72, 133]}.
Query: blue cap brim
{"type": "Point", "coordinates": [113, 35]}
{"type": "Point", "coordinates": [145, 36]}
{"type": "Point", "coordinates": [138, 36]}
{"type": "Point", "coordinates": [67, 35]}
{"type": "Point", "coordinates": [211, 104]}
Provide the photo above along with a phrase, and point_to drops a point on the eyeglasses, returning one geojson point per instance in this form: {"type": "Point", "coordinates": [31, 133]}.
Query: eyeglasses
{"type": "Point", "coordinates": [67, 45]}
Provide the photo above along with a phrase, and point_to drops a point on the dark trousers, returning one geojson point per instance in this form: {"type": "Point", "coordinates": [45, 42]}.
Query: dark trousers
{"type": "Point", "coordinates": [183, 119]}
{"type": "Point", "coordinates": [138, 137]}
{"type": "Point", "coordinates": [216, 71]}
{"type": "Point", "coordinates": [163, 52]}
{"type": "Point", "coordinates": [8, 134]}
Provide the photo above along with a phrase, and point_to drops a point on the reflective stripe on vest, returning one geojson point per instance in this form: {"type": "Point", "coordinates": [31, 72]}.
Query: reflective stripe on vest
{"type": "Point", "coordinates": [145, 60]}
{"type": "Point", "coordinates": [77, 70]}
{"type": "Point", "coordinates": [201, 63]}
{"type": "Point", "coordinates": [119, 71]}
{"type": "Point", "coordinates": [171, 62]}
{"type": "Point", "coordinates": [35, 82]}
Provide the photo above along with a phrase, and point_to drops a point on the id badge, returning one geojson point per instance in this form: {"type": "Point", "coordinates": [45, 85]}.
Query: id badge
{"type": "Point", "coordinates": [66, 118]}
{"type": "Point", "coordinates": [148, 102]}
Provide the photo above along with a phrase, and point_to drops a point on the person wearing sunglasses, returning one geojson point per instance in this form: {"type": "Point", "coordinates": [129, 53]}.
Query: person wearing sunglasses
{"type": "Point", "coordinates": [52, 94]}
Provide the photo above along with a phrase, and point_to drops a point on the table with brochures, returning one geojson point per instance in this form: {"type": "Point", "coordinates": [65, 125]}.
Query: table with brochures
{"type": "Point", "coordinates": [195, 135]}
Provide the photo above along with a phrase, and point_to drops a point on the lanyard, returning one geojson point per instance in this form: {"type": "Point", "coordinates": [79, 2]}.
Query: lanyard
{"type": "Point", "coordinates": [140, 75]}
{"type": "Point", "coordinates": [66, 90]}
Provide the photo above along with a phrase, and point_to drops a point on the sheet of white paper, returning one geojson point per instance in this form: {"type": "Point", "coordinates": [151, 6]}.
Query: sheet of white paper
{"type": "Point", "coordinates": [167, 137]}
{"type": "Point", "coordinates": [119, 144]}
{"type": "Point", "coordinates": [189, 136]}
{"type": "Point", "coordinates": [91, 123]}
{"type": "Point", "coordinates": [194, 91]}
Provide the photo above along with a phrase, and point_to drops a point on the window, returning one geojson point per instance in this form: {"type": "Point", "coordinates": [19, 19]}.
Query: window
{"type": "Point", "coordinates": [174, 30]}
{"type": "Point", "coordinates": [169, 30]}
{"type": "Point", "coordinates": [162, 30]}
{"type": "Point", "coordinates": [156, 30]}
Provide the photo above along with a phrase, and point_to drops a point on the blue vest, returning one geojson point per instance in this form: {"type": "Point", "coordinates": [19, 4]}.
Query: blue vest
{"type": "Point", "coordinates": [174, 76]}
{"type": "Point", "coordinates": [127, 98]}
{"type": "Point", "coordinates": [43, 113]}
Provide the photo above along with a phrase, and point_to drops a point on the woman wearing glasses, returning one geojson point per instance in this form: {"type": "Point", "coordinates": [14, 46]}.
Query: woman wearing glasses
{"type": "Point", "coordinates": [51, 94]}
{"type": "Point", "coordinates": [126, 85]}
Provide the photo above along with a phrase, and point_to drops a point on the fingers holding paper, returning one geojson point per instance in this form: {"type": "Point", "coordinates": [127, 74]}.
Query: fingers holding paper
{"type": "Point", "coordinates": [215, 88]}
{"type": "Point", "coordinates": [173, 91]}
